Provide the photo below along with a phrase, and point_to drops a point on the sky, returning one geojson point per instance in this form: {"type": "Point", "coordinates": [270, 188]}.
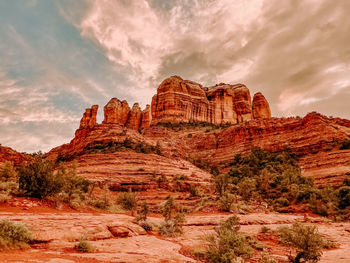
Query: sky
{"type": "Point", "coordinates": [58, 57]}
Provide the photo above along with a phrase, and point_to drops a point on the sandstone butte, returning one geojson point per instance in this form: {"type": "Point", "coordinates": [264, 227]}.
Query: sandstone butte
{"type": "Point", "coordinates": [179, 100]}
{"type": "Point", "coordinates": [314, 138]}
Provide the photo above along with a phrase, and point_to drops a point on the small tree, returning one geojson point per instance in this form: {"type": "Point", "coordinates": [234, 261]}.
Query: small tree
{"type": "Point", "coordinates": [222, 183]}
{"type": "Point", "coordinates": [173, 218]}
{"type": "Point", "coordinates": [306, 239]}
{"type": "Point", "coordinates": [143, 212]}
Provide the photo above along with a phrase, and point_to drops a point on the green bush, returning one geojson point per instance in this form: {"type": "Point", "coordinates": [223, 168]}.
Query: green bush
{"type": "Point", "coordinates": [38, 180]}
{"type": "Point", "coordinates": [305, 239]}
{"type": "Point", "coordinates": [127, 200]}
{"type": "Point", "coordinates": [13, 235]}
{"type": "Point", "coordinates": [226, 245]}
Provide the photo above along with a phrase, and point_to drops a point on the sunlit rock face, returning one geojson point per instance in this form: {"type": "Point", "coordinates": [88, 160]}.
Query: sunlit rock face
{"type": "Point", "coordinates": [89, 117]}
{"type": "Point", "coordinates": [261, 108]}
{"type": "Point", "coordinates": [179, 100]}
{"type": "Point", "coordinates": [116, 112]}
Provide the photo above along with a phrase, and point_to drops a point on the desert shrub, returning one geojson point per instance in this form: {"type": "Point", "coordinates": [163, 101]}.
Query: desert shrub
{"type": "Point", "coordinates": [173, 218]}
{"type": "Point", "coordinates": [113, 146]}
{"type": "Point", "coordinates": [9, 187]}
{"type": "Point", "coordinates": [84, 246]}
{"type": "Point", "coordinates": [222, 183]}
{"type": "Point", "coordinates": [226, 201]}
{"type": "Point", "coordinates": [145, 225]}
{"type": "Point", "coordinates": [246, 187]}
{"type": "Point", "coordinates": [38, 179]}
{"type": "Point", "coordinates": [305, 239]}
{"type": "Point", "coordinates": [281, 202]}
{"type": "Point", "coordinates": [343, 194]}
{"type": "Point", "coordinates": [8, 172]}
{"type": "Point", "coordinates": [162, 180]}
{"type": "Point", "coordinates": [127, 200]}
{"type": "Point", "coordinates": [73, 187]}
{"type": "Point", "coordinates": [144, 210]}
{"type": "Point", "coordinates": [265, 258]}
{"type": "Point", "coordinates": [265, 229]}
{"type": "Point", "coordinates": [226, 245]}
{"type": "Point", "coordinates": [13, 235]}
{"type": "Point", "coordinates": [345, 145]}
{"type": "Point", "coordinates": [194, 190]}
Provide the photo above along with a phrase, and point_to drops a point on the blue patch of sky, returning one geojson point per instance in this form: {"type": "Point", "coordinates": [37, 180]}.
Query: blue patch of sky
{"type": "Point", "coordinates": [53, 42]}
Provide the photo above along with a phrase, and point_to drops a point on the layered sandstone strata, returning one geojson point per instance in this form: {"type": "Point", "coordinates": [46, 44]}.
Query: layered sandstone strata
{"type": "Point", "coordinates": [179, 100]}
{"type": "Point", "coordinates": [134, 118]}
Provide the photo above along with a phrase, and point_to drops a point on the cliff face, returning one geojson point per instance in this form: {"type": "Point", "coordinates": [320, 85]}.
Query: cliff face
{"type": "Point", "coordinates": [179, 100]}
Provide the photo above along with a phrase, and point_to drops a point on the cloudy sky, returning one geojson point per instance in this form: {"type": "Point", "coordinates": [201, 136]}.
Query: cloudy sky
{"type": "Point", "coordinates": [59, 57]}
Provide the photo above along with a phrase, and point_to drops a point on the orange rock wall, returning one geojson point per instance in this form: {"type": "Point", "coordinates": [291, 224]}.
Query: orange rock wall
{"type": "Point", "coordinates": [179, 100]}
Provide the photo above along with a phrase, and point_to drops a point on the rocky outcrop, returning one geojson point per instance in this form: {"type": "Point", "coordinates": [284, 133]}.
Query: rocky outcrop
{"type": "Point", "coordinates": [89, 118]}
{"type": "Point", "coordinates": [261, 108]}
{"type": "Point", "coordinates": [134, 118]}
{"type": "Point", "coordinates": [146, 118]}
{"type": "Point", "coordinates": [8, 154]}
{"type": "Point", "coordinates": [116, 112]}
{"type": "Point", "coordinates": [179, 100]}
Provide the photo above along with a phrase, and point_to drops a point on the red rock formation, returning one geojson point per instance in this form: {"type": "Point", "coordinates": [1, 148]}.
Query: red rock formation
{"type": "Point", "coordinates": [146, 117]}
{"type": "Point", "coordinates": [261, 108]}
{"type": "Point", "coordinates": [134, 119]}
{"type": "Point", "coordinates": [8, 154]}
{"type": "Point", "coordinates": [116, 112]}
{"type": "Point", "coordinates": [179, 100]}
{"type": "Point", "coordinates": [89, 118]}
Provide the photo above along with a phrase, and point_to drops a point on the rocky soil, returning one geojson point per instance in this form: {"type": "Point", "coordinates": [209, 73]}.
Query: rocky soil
{"type": "Point", "coordinates": [116, 238]}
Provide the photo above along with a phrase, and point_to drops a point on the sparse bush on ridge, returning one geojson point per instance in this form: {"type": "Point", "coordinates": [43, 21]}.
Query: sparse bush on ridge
{"type": "Point", "coordinates": [13, 235]}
